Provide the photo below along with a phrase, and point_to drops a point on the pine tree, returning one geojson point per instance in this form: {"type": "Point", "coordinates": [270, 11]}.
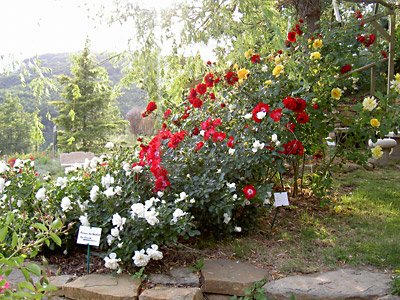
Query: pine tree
{"type": "Point", "coordinates": [88, 115]}
{"type": "Point", "coordinates": [16, 127]}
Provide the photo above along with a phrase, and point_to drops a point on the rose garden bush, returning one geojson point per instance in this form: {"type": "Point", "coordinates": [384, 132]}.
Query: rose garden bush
{"type": "Point", "coordinates": [217, 158]}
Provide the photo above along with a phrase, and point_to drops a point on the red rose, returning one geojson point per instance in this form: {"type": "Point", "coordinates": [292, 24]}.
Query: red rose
{"type": "Point", "coordinates": [371, 40]}
{"type": "Point", "coordinates": [167, 113]}
{"type": "Point", "coordinates": [218, 136]}
{"type": "Point", "coordinates": [289, 103]}
{"type": "Point", "coordinates": [230, 143]}
{"type": "Point", "coordinates": [196, 131]}
{"type": "Point", "coordinates": [298, 30]}
{"type": "Point", "coordinates": [358, 15]}
{"type": "Point", "coordinates": [212, 96]}
{"type": "Point", "coordinates": [318, 155]}
{"type": "Point", "coordinates": [345, 69]}
{"type": "Point", "coordinates": [197, 103]}
{"type": "Point", "coordinates": [151, 107]}
{"type": "Point", "coordinates": [276, 114]}
{"type": "Point", "coordinates": [176, 139]}
{"type": "Point", "coordinates": [279, 51]}
{"type": "Point", "coordinates": [300, 105]}
{"type": "Point", "coordinates": [249, 191]}
{"type": "Point", "coordinates": [291, 36]}
{"type": "Point", "coordinates": [223, 105]}
{"type": "Point", "coordinates": [315, 106]}
{"type": "Point", "coordinates": [261, 107]}
{"type": "Point", "coordinates": [201, 88]}
{"type": "Point", "coordinates": [302, 118]}
{"type": "Point", "coordinates": [199, 145]}
{"type": "Point", "coordinates": [231, 78]}
{"type": "Point", "coordinates": [293, 147]}
{"type": "Point", "coordinates": [216, 81]}
{"type": "Point", "coordinates": [384, 54]}
{"type": "Point", "coordinates": [301, 21]}
{"type": "Point", "coordinates": [209, 80]}
{"type": "Point", "coordinates": [290, 127]}
{"type": "Point", "coordinates": [208, 62]}
{"type": "Point", "coordinates": [255, 59]}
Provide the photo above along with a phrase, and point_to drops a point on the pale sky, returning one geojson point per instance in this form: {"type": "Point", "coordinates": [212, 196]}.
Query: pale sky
{"type": "Point", "coordinates": [30, 27]}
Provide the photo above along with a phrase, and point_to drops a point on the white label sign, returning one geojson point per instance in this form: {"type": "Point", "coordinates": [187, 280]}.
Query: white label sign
{"type": "Point", "coordinates": [89, 236]}
{"type": "Point", "coordinates": [281, 199]}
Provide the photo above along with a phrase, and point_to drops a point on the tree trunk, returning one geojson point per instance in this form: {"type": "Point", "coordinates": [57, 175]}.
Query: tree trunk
{"type": "Point", "coordinates": [310, 12]}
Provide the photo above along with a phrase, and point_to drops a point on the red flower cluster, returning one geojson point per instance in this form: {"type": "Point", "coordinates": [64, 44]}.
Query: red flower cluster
{"type": "Point", "coordinates": [193, 99]}
{"type": "Point", "coordinates": [291, 37]}
{"type": "Point", "coordinates": [167, 113]}
{"type": "Point", "coordinates": [293, 147]}
{"type": "Point", "coordinates": [302, 118]}
{"type": "Point", "coordinates": [261, 107]}
{"type": "Point", "coordinates": [290, 127]}
{"type": "Point", "coordinates": [384, 54]}
{"type": "Point", "coordinates": [209, 130]}
{"type": "Point", "coordinates": [296, 104]}
{"type": "Point", "coordinates": [230, 143]}
{"type": "Point", "coordinates": [345, 69]}
{"type": "Point", "coordinates": [152, 155]}
{"type": "Point", "coordinates": [209, 80]}
{"type": "Point", "coordinates": [249, 191]}
{"type": "Point", "coordinates": [255, 59]}
{"type": "Point", "coordinates": [276, 114]}
{"type": "Point", "coordinates": [149, 109]}
{"type": "Point", "coordinates": [358, 15]}
{"type": "Point", "coordinates": [366, 41]}
{"type": "Point", "coordinates": [231, 78]}
{"type": "Point", "coordinates": [176, 139]}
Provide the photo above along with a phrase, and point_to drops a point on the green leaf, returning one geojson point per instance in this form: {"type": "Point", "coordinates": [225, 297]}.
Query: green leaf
{"type": "Point", "coordinates": [34, 269]}
{"type": "Point", "coordinates": [10, 217]}
{"type": "Point", "coordinates": [26, 274]}
{"type": "Point", "coordinates": [55, 238]}
{"type": "Point", "coordinates": [22, 295]}
{"type": "Point", "coordinates": [14, 240]}
{"type": "Point", "coordinates": [3, 233]}
{"type": "Point", "coordinates": [8, 262]}
{"type": "Point", "coordinates": [8, 271]}
{"type": "Point", "coordinates": [40, 226]}
{"type": "Point", "coordinates": [56, 224]}
{"type": "Point", "coordinates": [355, 75]}
{"type": "Point", "coordinates": [26, 285]}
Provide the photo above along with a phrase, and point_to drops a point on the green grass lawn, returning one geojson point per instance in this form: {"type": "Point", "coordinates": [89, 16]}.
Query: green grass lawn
{"type": "Point", "coordinates": [360, 228]}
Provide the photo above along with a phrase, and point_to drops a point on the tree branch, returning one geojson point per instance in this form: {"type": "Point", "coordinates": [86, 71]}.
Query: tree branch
{"type": "Point", "coordinates": [388, 5]}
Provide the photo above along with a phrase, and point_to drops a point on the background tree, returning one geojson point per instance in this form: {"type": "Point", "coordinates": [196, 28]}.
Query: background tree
{"type": "Point", "coordinates": [88, 116]}
{"type": "Point", "coordinates": [16, 131]}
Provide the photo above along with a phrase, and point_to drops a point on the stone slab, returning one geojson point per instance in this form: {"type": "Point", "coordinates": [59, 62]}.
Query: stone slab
{"type": "Point", "coordinates": [59, 282]}
{"type": "Point", "coordinates": [69, 159]}
{"type": "Point", "coordinates": [103, 286]}
{"type": "Point", "coordinates": [217, 297]}
{"type": "Point", "coordinates": [228, 277]}
{"type": "Point", "coordinates": [179, 276]}
{"type": "Point", "coordinates": [170, 293]}
{"type": "Point", "coordinates": [334, 285]}
{"type": "Point", "coordinates": [389, 297]}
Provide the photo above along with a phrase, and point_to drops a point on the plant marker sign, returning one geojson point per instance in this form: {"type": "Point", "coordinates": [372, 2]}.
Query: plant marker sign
{"type": "Point", "coordinates": [281, 199]}
{"type": "Point", "coordinates": [89, 236]}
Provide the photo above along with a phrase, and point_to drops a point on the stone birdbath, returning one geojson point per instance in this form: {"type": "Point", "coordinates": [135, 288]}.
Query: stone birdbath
{"type": "Point", "coordinates": [387, 145]}
{"type": "Point", "coordinates": [395, 154]}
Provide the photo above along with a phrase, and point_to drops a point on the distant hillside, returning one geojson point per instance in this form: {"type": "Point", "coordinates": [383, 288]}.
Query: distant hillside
{"type": "Point", "coordinates": [60, 63]}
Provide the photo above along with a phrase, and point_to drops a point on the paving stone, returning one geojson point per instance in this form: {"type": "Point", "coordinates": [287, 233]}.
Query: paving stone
{"type": "Point", "coordinates": [389, 297]}
{"type": "Point", "coordinates": [170, 293]}
{"type": "Point", "coordinates": [334, 285]}
{"type": "Point", "coordinates": [103, 286]}
{"type": "Point", "coordinates": [179, 276]}
{"type": "Point", "coordinates": [59, 282]}
{"type": "Point", "coordinates": [217, 297]}
{"type": "Point", "coordinates": [16, 277]}
{"type": "Point", "coordinates": [228, 277]}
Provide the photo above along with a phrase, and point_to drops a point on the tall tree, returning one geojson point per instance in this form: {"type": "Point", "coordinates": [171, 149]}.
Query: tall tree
{"type": "Point", "coordinates": [16, 132]}
{"type": "Point", "coordinates": [88, 116]}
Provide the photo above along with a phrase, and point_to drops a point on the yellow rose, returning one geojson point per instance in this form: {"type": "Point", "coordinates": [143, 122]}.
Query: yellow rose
{"type": "Point", "coordinates": [270, 57]}
{"type": "Point", "coordinates": [267, 83]}
{"type": "Point", "coordinates": [377, 152]}
{"type": "Point", "coordinates": [249, 53]}
{"type": "Point", "coordinates": [236, 67]}
{"type": "Point", "coordinates": [277, 70]}
{"type": "Point", "coordinates": [375, 123]}
{"type": "Point", "coordinates": [317, 44]}
{"type": "Point", "coordinates": [278, 60]}
{"type": "Point", "coordinates": [242, 73]}
{"type": "Point", "coordinates": [315, 55]}
{"type": "Point", "coordinates": [336, 93]}
{"type": "Point", "coordinates": [397, 76]}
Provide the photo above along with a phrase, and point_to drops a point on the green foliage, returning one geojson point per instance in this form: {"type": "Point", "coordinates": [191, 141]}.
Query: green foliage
{"type": "Point", "coordinates": [87, 115]}
{"type": "Point", "coordinates": [16, 132]}
{"type": "Point", "coordinates": [395, 285]}
{"type": "Point", "coordinates": [198, 266]}
{"type": "Point", "coordinates": [139, 274]}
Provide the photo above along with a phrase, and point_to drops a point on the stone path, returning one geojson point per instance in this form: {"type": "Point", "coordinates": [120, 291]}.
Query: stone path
{"type": "Point", "coordinates": [221, 279]}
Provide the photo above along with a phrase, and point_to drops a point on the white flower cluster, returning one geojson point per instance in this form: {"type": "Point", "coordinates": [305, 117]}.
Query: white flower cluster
{"type": "Point", "coordinates": [142, 258]}
{"type": "Point", "coordinates": [119, 223]}
{"type": "Point", "coordinates": [257, 146]}
{"type": "Point", "coordinates": [369, 103]}
{"type": "Point", "coordinates": [395, 84]}
{"type": "Point", "coordinates": [146, 211]}
{"type": "Point", "coordinates": [112, 261]}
